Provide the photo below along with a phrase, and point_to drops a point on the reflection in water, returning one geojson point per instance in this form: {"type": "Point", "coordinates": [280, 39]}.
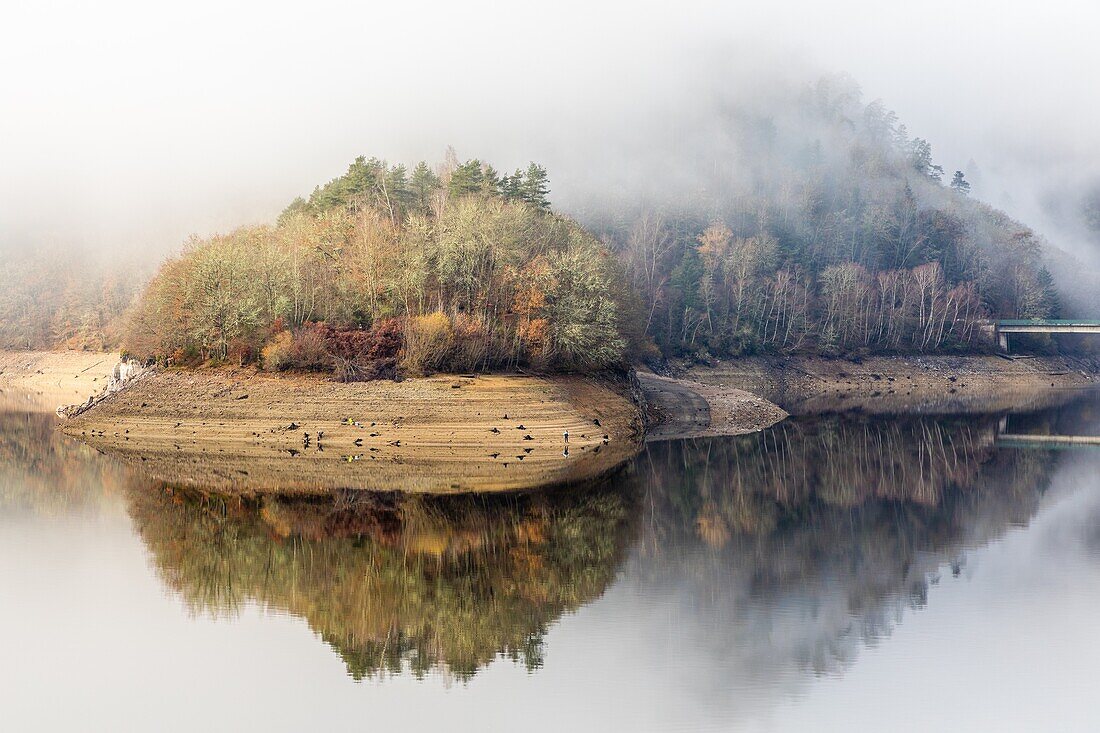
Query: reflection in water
{"type": "Point", "coordinates": [796, 545]}
{"type": "Point", "coordinates": [772, 557]}
{"type": "Point", "coordinates": [833, 525]}
{"type": "Point", "coordinates": [42, 472]}
{"type": "Point", "coordinates": [395, 582]}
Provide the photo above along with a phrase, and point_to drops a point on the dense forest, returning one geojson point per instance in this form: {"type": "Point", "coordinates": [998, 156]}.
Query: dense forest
{"type": "Point", "coordinates": [816, 225]}
{"type": "Point", "coordinates": [457, 268]}
{"type": "Point", "coordinates": [60, 298]}
{"type": "Point", "coordinates": [821, 225]}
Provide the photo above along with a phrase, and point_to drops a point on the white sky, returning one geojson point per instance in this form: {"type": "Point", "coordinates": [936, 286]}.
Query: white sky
{"type": "Point", "coordinates": [133, 124]}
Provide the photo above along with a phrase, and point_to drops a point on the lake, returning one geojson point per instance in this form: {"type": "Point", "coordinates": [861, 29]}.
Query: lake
{"type": "Point", "coordinates": [832, 573]}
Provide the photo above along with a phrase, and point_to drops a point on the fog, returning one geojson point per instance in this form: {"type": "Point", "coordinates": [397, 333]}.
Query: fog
{"type": "Point", "coordinates": [126, 127]}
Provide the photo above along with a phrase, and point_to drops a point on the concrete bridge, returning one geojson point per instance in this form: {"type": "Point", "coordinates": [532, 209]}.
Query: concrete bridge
{"type": "Point", "coordinates": [1003, 328]}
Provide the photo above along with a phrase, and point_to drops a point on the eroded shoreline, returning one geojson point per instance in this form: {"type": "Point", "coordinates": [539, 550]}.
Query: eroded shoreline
{"type": "Point", "coordinates": [930, 385]}
{"type": "Point", "coordinates": [245, 432]}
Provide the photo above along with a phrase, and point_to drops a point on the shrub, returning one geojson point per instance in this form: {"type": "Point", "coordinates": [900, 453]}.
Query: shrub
{"type": "Point", "coordinates": [188, 356]}
{"type": "Point", "coordinates": [473, 345]}
{"type": "Point", "coordinates": [381, 341]}
{"type": "Point", "coordinates": [387, 339]}
{"type": "Point", "coordinates": [275, 356]}
{"type": "Point", "coordinates": [363, 370]}
{"type": "Point", "coordinates": [428, 342]}
{"type": "Point", "coordinates": [307, 348]}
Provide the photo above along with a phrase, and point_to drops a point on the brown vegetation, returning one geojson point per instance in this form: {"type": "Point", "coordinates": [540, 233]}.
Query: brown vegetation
{"type": "Point", "coordinates": [474, 281]}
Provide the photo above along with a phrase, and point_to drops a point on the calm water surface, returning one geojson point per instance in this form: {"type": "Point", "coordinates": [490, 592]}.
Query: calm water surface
{"type": "Point", "coordinates": [836, 573]}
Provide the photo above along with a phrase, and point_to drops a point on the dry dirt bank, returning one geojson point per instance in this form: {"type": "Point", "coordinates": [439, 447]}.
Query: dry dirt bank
{"type": "Point", "coordinates": [682, 408]}
{"type": "Point", "coordinates": [917, 384]}
{"type": "Point", "coordinates": [43, 380]}
{"type": "Point", "coordinates": [237, 430]}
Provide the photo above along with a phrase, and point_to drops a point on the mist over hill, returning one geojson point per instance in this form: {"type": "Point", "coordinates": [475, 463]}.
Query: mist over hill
{"type": "Point", "coordinates": [692, 116]}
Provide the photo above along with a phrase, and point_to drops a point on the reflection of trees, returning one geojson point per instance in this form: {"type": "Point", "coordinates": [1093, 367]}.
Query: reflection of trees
{"type": "Point", "coordinates": [798, 543]}
{"type": "Point", "coordinates": [785, 550]}
{"type": "Point", "coordinates": [45, 472]}
{"type": "Point", "coordinates": [400, 581]}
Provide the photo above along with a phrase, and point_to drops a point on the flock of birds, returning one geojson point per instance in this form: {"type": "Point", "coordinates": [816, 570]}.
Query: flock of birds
{"type": "Point", "coordinates": [308, 440]}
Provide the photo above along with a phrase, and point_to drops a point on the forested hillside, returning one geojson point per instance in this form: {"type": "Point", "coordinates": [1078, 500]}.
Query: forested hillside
{"type": "Point", "coordinates": [457, 268]}
{"type": "Point", "coordinates": [820, 225]}
{"type": "Point", "coordinates": [60, 298]}
{"type": "Point", "coordinates": [814, 222]}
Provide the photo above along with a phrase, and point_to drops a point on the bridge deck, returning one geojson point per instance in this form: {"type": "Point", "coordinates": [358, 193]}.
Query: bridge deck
{"type": "Point", "coordinates": [1047, 442]}
{"type": "Point", "coordinates": [1048, 326]}
{"type": "Point", "coordinates": [1046, 322]}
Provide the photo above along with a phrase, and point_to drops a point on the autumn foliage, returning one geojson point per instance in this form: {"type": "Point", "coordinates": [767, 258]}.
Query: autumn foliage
{"type": "Point", "coordinates": [474, 281]}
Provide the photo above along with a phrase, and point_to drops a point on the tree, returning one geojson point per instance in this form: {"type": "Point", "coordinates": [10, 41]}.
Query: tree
{"type": "Point", "coordinates": [511, 187]}
{"type": "Point", "coordinates": [490, 180]}
{"type": "Point", "coordinates": [920, 156]}
{"type": "Point", "coordinates": [959, 183]}
{"type": "Point", "coordinates": [467, 178]}
{"type": "Point", "coordinates": [423, 185]}
{"type": "Point", "coordinates": [536, 187]}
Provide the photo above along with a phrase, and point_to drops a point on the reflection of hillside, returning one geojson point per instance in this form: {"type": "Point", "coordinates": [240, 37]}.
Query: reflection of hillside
{"type": "Point", "coordinates": [797, 544]}
{"type": "Point", "coordinates": [395, 582]}
{"type": "Point", "coordinates": [45, 472]}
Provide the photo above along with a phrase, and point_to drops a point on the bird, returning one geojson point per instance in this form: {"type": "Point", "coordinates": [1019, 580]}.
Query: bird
{"type": "Point", "coordinates": [527, 437]}
{"type": "Point", "coordinates": [596, 422]}
{"type": "Point", "coordinates": [320, 434]}
{"type": "Point", "coordinates": [520, 427]}
{"type": "Point", "coordinates": [528, 450]}
{"type": "Point", "coordinates": [293, 426]}
{"type": "Point", "coordinates": [495, 430]}
{"type": "Point", "coordinates": [493, 455]}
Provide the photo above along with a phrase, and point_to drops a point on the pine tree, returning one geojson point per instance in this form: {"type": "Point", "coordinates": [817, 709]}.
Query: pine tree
{"type": "Point", "coordinates": [959, 183]}
{"type": "Point", "coordinates": [490, 180]}
{"type": "Point", "coordinates": [511, 187]}
{"type": "Point", "coordinates": [536, 187]}
{"type": "Point", "coordinates": [423, 184]}
{"type": "Point", "coordinates": [467, 178]}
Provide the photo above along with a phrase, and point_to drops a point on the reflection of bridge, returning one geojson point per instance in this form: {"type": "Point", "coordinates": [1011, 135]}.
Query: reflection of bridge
{"type": "Point", "coordinates": [1003, 328]}
{"type": "Point", "coordinates": [1025, 441]}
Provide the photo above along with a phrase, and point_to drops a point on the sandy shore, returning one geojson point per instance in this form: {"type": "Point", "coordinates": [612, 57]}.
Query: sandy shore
{"type": "Point", "coordinates": [242, 431]}
{"type": "Point", "coordinates": [904, 384]}
{"type": "Point", "coordinates": [43, 380]}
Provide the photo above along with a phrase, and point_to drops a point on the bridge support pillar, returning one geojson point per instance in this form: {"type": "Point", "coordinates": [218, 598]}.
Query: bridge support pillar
{"type": "Point", "coordinates": [1002, 341]}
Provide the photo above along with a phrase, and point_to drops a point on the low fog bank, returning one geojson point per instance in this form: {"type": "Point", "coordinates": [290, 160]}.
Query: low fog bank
{"type": "Point", "coordinates": [135, 127]}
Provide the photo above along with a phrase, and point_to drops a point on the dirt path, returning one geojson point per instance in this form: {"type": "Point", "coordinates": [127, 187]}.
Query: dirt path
{"type": "Point", "coordinates": [681, 408]}
{"type": "Point", "coordinates": [238, 430]}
